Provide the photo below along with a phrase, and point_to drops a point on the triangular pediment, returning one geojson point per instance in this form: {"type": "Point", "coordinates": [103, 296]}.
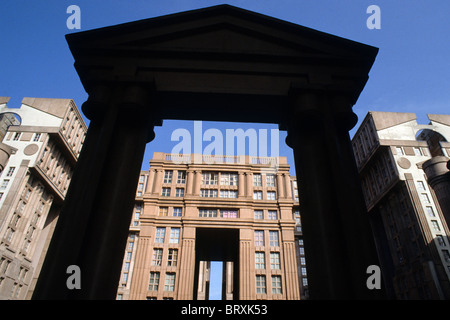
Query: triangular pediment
{"type": "Point", "coordinates": [224, 29]}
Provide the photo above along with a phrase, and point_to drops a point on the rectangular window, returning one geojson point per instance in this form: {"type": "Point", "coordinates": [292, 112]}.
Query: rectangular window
{"type": "Point", "coordinates": [172, 258]}
{"type": "Point", "coordinates": [16, 136]}
{"type": "Point", "coordinates": [154, 281]}
{"type": "Point", "coordinates": [429, 210]}
{"type": "Point", "coordinates": [228, 179]}
{"type": "Point", "coordinates": [257, 195]}
{"type": "Point", "coordinates": [420, 186]}
{"type": "Point", "coordinates": [259, 260]}
{"type": "Point", "coordinates": [163, 211]}
{"type": "Point", "coordinates": [181, 179]}
{"type": "Point", "coordinates": [259, 238]}
{"type": "Point", "coordinates": [179, 192]}
{"type": "Point", "coordinates": [276, 285]}
{"type": "Point", "coordinates": [177, 212]}
{"type": "Point", "coordinates": [174, 235]}
{"type": "Point", "coordinates": [4, 184]}
{"type": "Point", "coordinates": [208, 193]}
{"type": "Point", "coordinates": [165, 192]}
{"type": "Point", "coordinates": [228, 213]}
{"type": "Point", "coordinates": [168, 176]}
{"type": "Point", "coordinates": [417, 151]}
{"type": "Point", "coordinates": [10, 171]}
{"type": "Point", "coordinates": [275, 260]}
{"type": "Point", "coordinates": [157, 257]}
{"type": "Point", "coordinates": [271, 195]}
{"type": "Point", "coordinates": [258, 214]}
{"type": "Point", "coordinates": [424, 198]}
{"type": "Point", "coordinates": [260, 284]}
{"type": "Point", "coordinates": [435, 225]}
{"type": "Point", "coordinates": [160, 233]}
{"type": "Point", "coordinates": [207, 213]}
{"type": "Point", "coordinates": [446, 255]}
{"type": "Point", "coordinates": [399, 151]}
{"type": "Point", "coordinates": [210, 178]}
{"type": "Point", "coordinates": [257, 180]}
{"type": "Point", "coordinates": [270, 180]}
{"type": "Point", "coordinates": [228, 194]}
{"type": "Point", "coordinates": [440, 240]}
{"type": "Point", "coordinates": [169, 285]}
{"type": "Point", "coordinates": [273, 238]}
{"type": "Point", "coordinates": [273, 215]}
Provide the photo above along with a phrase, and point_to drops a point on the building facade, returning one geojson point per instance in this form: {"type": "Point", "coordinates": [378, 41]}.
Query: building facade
{"type": "Point", "coordinates": [411, 232]}
{"type": "Point", "coordinates": [193, 209]}
{"type": "Point", "coordinates": [40, 145]}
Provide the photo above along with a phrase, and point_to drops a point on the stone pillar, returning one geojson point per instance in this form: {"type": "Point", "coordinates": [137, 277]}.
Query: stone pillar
{"type": "Point", "coordinates": [187, 266]}
{"type": "Point", "coordinates": [93, 225]}
{"type": "Point", "coordinates": [280, 186]}
{"type": "Point", "coordinates": [249, 181]}
{"type": "Point", "coordinates": [241, 185]}
{"type": "Point", "coordinates": [338, 240]}
{"type": "Point", "coordinates": [438, 176]}
{"type": "Point", "coordinates": [227, 283]}
{"type": "Point", "coordinates": [141, 275]}
{"type": "Point", "coordinates": [189, 182]}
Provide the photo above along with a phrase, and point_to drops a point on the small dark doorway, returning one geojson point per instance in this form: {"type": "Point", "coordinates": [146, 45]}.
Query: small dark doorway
{"type": "Point", "coordinates": [217, 245]}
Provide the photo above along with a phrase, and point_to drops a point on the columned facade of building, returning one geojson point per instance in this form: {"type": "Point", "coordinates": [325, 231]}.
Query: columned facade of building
{"type": "Point", "coordinates": [234, 209]}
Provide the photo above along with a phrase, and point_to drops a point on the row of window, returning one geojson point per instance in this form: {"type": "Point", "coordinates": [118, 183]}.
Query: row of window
{"type": "Point", "coordinates": [161, 234]}
{"type": "Point", "coordinates": [172, 257]}
{"type": "Point", "coordinates": [225, 178]}
{"type": "Point", "coordinates": [169, 281]}
{"type": "Point", "coordinates": [214, 193]}
{"type": "Point", "coordinates": [218, 213]}
{"type": "Point", "coordinates": [260, 261]}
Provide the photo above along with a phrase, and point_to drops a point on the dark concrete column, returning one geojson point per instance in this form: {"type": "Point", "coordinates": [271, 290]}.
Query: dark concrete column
{"type": "Point", "coordinates": [93, 226]}
{"type": "Point", "coordinates": [338, 241]}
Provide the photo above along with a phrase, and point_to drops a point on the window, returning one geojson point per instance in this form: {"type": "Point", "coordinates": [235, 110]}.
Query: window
{"type": "Point", "coordinates": [174, 235]}
{"type": "Point", "coordinates": [172, 258]}
{"type": "Point", "coordinates": [303, 271]}
{"type": "Point", "coordinates": [170, 282]}
{"type": "Point", "coordinates": [208, 193]}
{"type": "Point", "coordinates": [275, 260]}
{"type": "Point", "coordinates": [257, 195]}
{"type": "Point", "coordinates": [440, 240]}
{"type": "Point", "coordinates": [177, 212]}
{"type": "Point", "coordinates": [424, 198]}
{"type": "Point", "coordinates": [273, 238]}
{"type": "Point", "coordinates": [157, 257]}
{"type": "Point", "coordinates": [276, 284]}
{"type": "Point", "coordinates": [179, 192]}
{"type": "Point", "coordinates": [273, 215]}
{"type": "Point", "coordinates": [446, 255]}
{"type": "Point", "coordinates": [271, 195]}
{"type": "Point", "coordinates": [259, 238]}
{"type": "Point", "coordinates": [10, 171]}
{"type": "Point", "coordinates": [163, 211]}
{"type": "Point", "coordinates": [417, 151]}
{"type": "Point", "coordinates": [154, 281]}
{"type": "Point", "coordinates": [16, 136]}
{"type": "Point", "coordinates": [435, 225]}
{"type": "Point", "coordinates": [420, 186]}
{"type": "Point", "coordinates": [160, 233]}
{"type": "Point", "coordinates": [210, 178]}
{"type": "Point", "coordinates": [165, 192]}
{"type": "Point", "coordinates": [228, 194]}
{"type": "Point", "coordinates": [258, 214]}
{"type": "Point", "coordinates": [270, 180]}
{"type": "Point", "coordinates": [181, 179]}
{"type": "Point", "coordinates": [228, 213]}
{"type": "Point", "coordinates": [260, 284]}
{"type": "Point", "coordinates": [168, 176]}
{"type": "Point", "coordinates": [399, 151]}
{"type": "Point", "coordinates": [429, 210]}
{"type": "Point", "coordinates": [257, 180]}
{"type": "Point", "coordinates": [36, 137]}
{"type": "Point", "coordinates": [4, 184]}
{"type": "Point", "coordinates": [207, 213]}
{"type": "Point", "coordinates": [259, 260]}
{"type": "Point", "coordinates": [228, 179]}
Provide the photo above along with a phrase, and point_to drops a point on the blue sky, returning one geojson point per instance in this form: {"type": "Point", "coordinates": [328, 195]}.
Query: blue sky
{"type": "Point", "coordinates": [411, 72]}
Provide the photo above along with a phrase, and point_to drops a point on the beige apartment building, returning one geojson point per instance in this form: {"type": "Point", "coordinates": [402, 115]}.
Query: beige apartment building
{"type": "Point", "coordinates": [193, 209]}
{"type": "Point", "coordinates": [39, 147]}
{"type": "Point", "coordinates": [392, 152]}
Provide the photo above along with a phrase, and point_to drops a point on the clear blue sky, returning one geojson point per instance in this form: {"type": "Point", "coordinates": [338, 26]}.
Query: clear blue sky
{"type": "Point", "coordinates": [411, 72]}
